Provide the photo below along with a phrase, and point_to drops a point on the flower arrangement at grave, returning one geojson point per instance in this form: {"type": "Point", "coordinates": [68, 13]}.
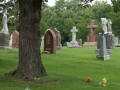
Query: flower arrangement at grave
{"type": "Point", "coordinates": [89, 79]}
{"type": "Point", "coordinates": [103, 83]}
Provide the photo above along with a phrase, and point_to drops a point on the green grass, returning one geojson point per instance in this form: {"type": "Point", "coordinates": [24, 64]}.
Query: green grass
{"type": "Point", "coordinates": [68, 69]}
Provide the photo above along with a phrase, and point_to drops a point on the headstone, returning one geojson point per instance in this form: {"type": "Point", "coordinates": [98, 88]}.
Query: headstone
{"type": "Point", "coordinates": [109, 26]}
{"type": "Point", "coordinates": [103, 53]}
{"type": "Point", "coordinates": [104, 22]}
{"type": "Point", "coordinates": [92, 38]}
{"type": "Point", "coordinates": [50, 42]}
{"type": "Point", "coordinates": [15, 39]}
{"type": "Point", "coordinates": [42, 41]}
{"type": "Point", "coordinates": [67, 43]}
{"type": "Point", "coordinates": [10, 41]}
{"type": "Point", "coordinates": [109, 43]}
{"type": "Point", "coordinates": [79, 42]}
{"type": "Point", "coordinates": [116, 41]}
{"type": "Point", "coordinates": [58, 39]}
{"type": "Point", "coordinates": [74, 43]}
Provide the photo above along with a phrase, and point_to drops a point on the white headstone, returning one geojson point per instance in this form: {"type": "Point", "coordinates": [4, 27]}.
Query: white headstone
{"type": "Point", "coordinates": [116, 41]}
{"type": "Point", "coordinates": [42, 42]}
{"type": "Point", "coordinates": [104, 22]}
{"type": "Point", "coordinates": [10, 41]}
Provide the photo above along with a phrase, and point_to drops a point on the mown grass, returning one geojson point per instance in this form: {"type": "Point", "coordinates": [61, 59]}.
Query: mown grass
{"type": "Point", "coordinates": [68, 69]}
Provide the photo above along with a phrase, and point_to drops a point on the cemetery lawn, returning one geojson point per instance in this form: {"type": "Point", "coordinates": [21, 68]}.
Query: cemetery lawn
{"type": "Point", "coordinates": [68, 69]}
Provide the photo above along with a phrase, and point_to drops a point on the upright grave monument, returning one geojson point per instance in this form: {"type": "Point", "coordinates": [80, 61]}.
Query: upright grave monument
{"type": "Point", "coordinates": [106, 26]}
{"type": "Point", "coordinates": [10, 41]}
{"type": "Point", "coordinates": [50, 42]}
{"type": "Point", "coordinates": [42, 41]}
{"type": "Point", "coordinates": [4, 34]}
{"type": "Point", "coordinates": [15, 39]}
{"type": "Point", "coordinates": [104, 22]}
{"type": "Point", "coordinates": [58, 39]}
{"type": "Point", "coordinates": [92, 38]}
{"type": "Point", "coordinates": [79, 42]}
{"type": "Point", "coordinates": [103, 52]}
{"type": "Point", "coordinates": [74, 43]}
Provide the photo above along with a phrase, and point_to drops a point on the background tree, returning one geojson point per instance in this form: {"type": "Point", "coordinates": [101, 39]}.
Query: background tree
{"type": "Point", "coordinates": [116, 5]}
{"type": "Point", "coordinates": [115, 18]}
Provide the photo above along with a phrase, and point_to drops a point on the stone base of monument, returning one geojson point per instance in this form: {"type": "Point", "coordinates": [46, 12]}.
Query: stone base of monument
{"type": "Point", "coordinates": [73, 45]}
{"type": "Point", "coordinates": [46, 52]}
{"type": "Point", "coordinates": [108, 50]}
{"type": "Point", "coordinates": [90, 44]}
{"type": "Point", "coordinates": [106, 57]}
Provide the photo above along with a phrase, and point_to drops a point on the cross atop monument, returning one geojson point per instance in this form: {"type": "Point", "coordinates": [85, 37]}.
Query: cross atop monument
{"type": "Point", "coordinates": [92, 26]}
{"type": "Point", "coordinates": [74, 30]}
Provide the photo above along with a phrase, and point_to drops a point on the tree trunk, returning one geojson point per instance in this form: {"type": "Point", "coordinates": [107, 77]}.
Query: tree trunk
{"type": "Point", "coordinates": [30, 64]}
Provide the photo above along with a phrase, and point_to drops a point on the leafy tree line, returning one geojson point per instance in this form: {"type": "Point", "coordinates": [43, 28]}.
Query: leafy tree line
{"type": "Point", "coordinates": [66, 13]}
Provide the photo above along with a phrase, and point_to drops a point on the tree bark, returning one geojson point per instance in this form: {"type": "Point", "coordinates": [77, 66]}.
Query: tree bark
{"type": "Point", "coordinates": [30, 64]}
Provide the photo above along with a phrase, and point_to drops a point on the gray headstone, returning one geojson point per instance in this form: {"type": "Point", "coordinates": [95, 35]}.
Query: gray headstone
{"type": "Point", "coordinates": [103, 53]}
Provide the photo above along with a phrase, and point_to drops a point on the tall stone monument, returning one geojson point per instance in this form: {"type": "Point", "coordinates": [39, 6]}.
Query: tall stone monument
{"type": "Point", "coordinates": [92, 38]}
{"type": "Point", "coordinates": [74, 43]}
{"type": "Point", "coordinates": [4, 34]}
{"type": "Point", "coordinates": [103, 53]}
{"type": "Point", "coordinates": [42, 41]}
{"type": "Point", "coordinates": [106, 24]}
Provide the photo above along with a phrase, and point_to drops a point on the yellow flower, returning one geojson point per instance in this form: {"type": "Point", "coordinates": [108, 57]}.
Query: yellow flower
{"type": "Point", "coordinates": [104, 80]}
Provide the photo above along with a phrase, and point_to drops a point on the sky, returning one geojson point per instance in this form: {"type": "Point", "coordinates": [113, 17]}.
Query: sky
{"type": "Point", "coordinates": [52, 2]}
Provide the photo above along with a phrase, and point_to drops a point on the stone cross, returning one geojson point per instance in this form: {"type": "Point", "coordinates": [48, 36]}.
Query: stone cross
{"type": "Point", "coordinates": [74, 30]}
{"type": "Point", "coordinates": [92, 26]}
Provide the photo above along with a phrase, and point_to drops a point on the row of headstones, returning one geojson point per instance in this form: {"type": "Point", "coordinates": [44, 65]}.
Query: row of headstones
{"type": "Point", "coordinates": [52, 40]}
